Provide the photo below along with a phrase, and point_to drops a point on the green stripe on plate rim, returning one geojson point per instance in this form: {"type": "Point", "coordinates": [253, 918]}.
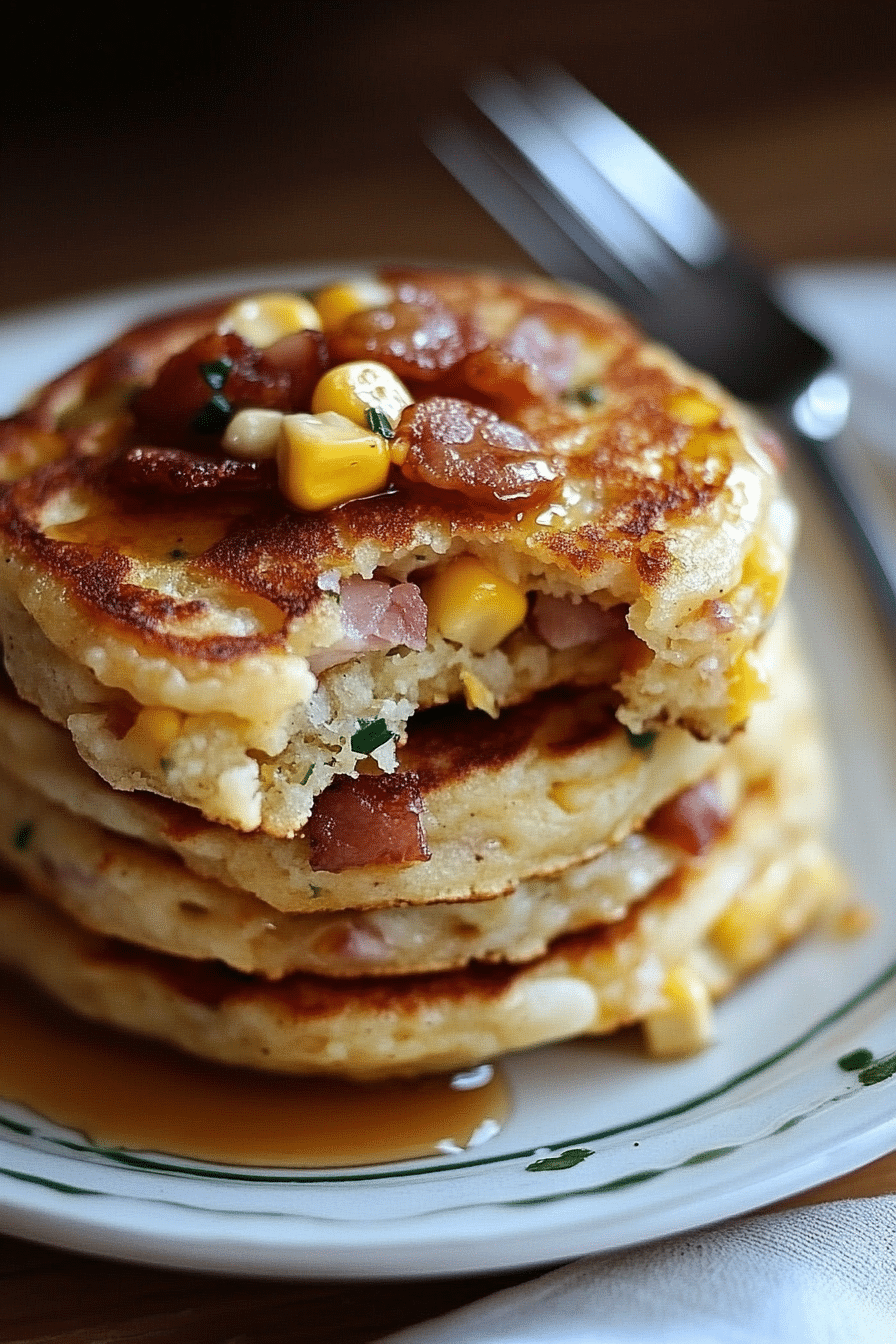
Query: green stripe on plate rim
{"type": "Point", "coordinates": [634, 1178]}
{"type": "Point", "coordinates": [236, 1174]}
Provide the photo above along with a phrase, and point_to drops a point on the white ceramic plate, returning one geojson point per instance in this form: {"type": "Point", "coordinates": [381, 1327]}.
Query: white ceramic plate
{"type": "Point", "coordinates": [604, 1148]}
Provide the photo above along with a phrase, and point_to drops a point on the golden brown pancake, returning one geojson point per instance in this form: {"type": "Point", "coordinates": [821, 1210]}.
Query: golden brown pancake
{"type": "Point", "coordinates": [576, 781]}
{"type": "Point", "coordinates": [722, 914]}
{"type": "Point", "coordinates": [547, 785]}
{"type": "Point", "coordinates": [164, 600]}
{"type": "Point", "coordinates": [398, 678]}
{"type": "Point", "coordinates": [99, 856]}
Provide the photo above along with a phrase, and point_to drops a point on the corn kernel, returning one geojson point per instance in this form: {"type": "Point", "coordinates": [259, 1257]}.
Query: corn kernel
{"type": "Point", "coordinates": [712, 452]}
{"type": "Point", "coordinates": [253, 434]}
{"type": "Point", "coordinates": [851, 921]}
{"type": "Point", "coordinates": [325, 460]}
{"type": "Point", "coordinates": [762, 573]}
{"type": "Point", "coordinates": [263, 319]}
{"type": "Point", "coordinates": [685, 1024]}
{"type": "Point", "coordinates": [747, 683]}
{"type": "Point", "coordinates": [572, 795]}
{"type": "Point", "coordinates": [27, 448]}
{"type": "Point", "coordinates": [477, 694]}
{"type": "Point", "coordinates": [472, 605]}
{"type": "Point", "coordinates": [744, 933]}
{"type": "Point", "coordinates": [690, 407]}
{"type": "Point", "coordinates": [361, 386]}
{"type": "Point", "coordinates": [153, 731]}
{"type": "Point", "coordinates": [337, 302]}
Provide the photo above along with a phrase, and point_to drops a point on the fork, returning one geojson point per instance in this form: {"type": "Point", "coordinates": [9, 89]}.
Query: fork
{"type": "Point", "coordinates": [592, 202]}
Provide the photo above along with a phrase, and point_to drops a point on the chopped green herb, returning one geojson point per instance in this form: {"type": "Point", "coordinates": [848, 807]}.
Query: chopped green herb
{"type": "Point", "coordinates": [371, 734]}
{"type": "Point", "coordinates": [216, 372]}
{"type": "Point", "coordinates": [379, 422]}
{"type": "Point", "coordinates": [855, 1060]}
{"type": "Point", "coordinates": [214, 416]}
{"type": "Point", "coordinates": [591, 395]}
{"type": "Point", "coordinates": [23, 835]}
{"type": "Point", "coordinates": [307, 775]}
{"type": "Point", "coordinates": [165, 764]}
{"type": "Point", "coordinates": [177, 554]}
{"type": "Point", "coordinates": [315, 891]}
{"type": "Point", "coordinates": [641, 741]}
{"type": "Point", "coordinates": [571, 1158]}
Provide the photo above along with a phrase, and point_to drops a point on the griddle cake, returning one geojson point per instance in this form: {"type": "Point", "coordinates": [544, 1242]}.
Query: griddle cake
{"type": "Point", "coordinates": [140, 893]}
{"type": "Point", "coordinates": [719, 916]}
{"type": "Point", "coordinates": [578, 781]}
{"type": "Point", "coordinates": [203, 637]}
{"type": "Point", "coordinates": [398, 675]}
{"type": "Point", "coordinates": [58, 832]}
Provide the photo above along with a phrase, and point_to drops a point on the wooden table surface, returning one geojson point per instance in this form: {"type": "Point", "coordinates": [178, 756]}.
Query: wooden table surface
{"type": "Point", "coordinates": [131, 156]}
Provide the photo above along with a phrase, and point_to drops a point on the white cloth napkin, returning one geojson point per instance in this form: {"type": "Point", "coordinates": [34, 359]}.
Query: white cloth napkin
{"type": "Point", "coordinates": [825, 1274]}
{"type": "Point", "coordinates": [819, 1275]}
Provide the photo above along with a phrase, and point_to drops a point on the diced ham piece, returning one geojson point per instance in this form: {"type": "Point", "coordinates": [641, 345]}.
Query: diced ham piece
{"type": "Point", "coordinates": [550, 356]}
{"type": "Point", "coordinates": [693, 820]}
{"type": "Point", "coordinates": [357, 939]}
{"type": "Point", "coordinates": [375, 615]}
{"type": "Point", "coordinates": [374, 819]}
{"type": "Point", "coordinates": [564, 624]}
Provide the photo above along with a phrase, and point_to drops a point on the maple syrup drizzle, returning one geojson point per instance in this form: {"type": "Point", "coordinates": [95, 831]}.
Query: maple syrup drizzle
{"type": "Point", "coordinates": [124, 1092]}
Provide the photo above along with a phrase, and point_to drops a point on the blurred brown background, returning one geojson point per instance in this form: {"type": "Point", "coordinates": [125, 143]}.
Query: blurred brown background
{"type": "Point", "coordinates": [159, 140]}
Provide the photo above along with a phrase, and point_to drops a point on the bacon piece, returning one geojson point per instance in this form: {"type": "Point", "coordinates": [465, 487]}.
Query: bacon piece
{"type": "Point", "coordinates": [454, 445]}
{"type": "Point", "coordinates": [198, 389]}
{"type": "Point", "coordinates": [374, 819]}
{"type": "Point", "coordinates": [774, 446]}
{"type": "Point", "coordinates": [133, 359]}
{"type": "Point", "coordinates": [530, 363]}
{"type": "Point", "coordinates": [173, 471]}
{"type": "Point", "coordinates": [405, 618]}
{"type": "Point", "coordinates": [564, 624]}
{"type": "Point", "coordinates": [693, 820]}
{"type": "Point", "coordinates": [417, 336]}
{"type": "Point", "coordinates": [375, 615]}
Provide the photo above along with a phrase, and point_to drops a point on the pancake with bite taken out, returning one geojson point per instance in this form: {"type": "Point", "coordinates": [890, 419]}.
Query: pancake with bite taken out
{"type": "Point", "coordinates": [577, 780]}
{"type": "Point", "coordinates": [398, 677]}
{"type": "Point", "coordinates": [232, 593]}
{"type": "Point", "coordinates": [721, 914]}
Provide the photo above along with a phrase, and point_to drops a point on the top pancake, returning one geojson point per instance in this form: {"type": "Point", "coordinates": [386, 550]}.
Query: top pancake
{"type": "Point", "coordinates": [664, 523]}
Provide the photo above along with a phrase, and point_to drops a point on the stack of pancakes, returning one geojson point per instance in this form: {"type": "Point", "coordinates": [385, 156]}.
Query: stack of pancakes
{"type": "Point", "coordinates": [514, 747]}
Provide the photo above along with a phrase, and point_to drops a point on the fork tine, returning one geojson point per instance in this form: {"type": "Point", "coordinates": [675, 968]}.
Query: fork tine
{"type": "Point", "coordinates": [558, 164]}
{"type": "Point", "coordinates": [499, 191]}
{"type": "Point", "coordinates": [719, 314]}
{"type": "Point", "coordinates": [714, 307]}
{"type": "Point", "coordinates": [504, 182]}
{"type": "Point", "coordinates": [638, 173]}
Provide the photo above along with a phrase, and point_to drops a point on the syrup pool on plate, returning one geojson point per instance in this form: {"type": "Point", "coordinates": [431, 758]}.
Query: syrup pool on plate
{"type": "Point", "coordinates": [125, 1092]}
